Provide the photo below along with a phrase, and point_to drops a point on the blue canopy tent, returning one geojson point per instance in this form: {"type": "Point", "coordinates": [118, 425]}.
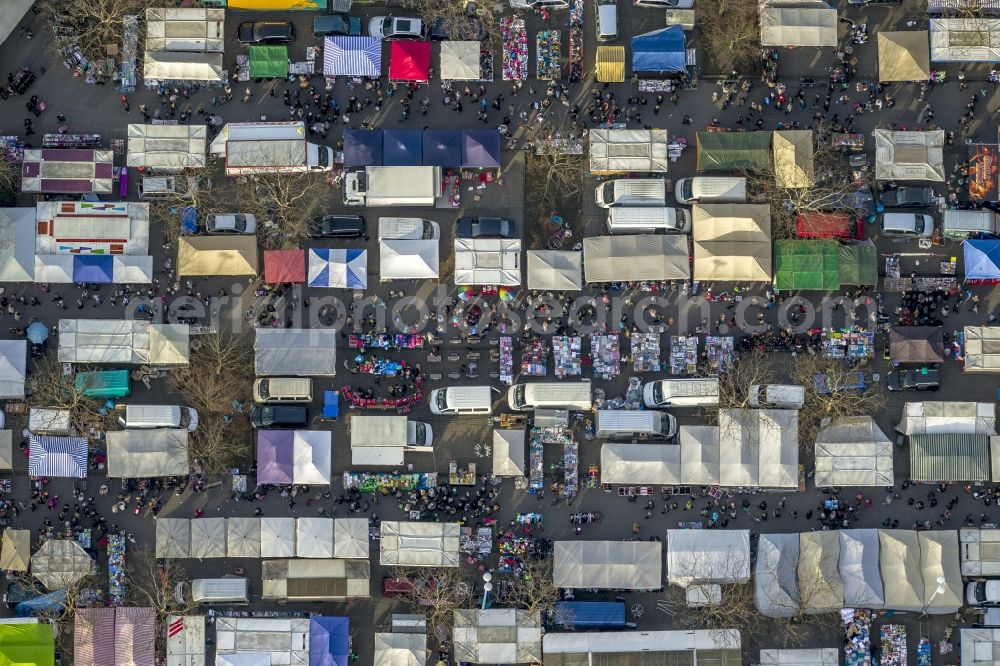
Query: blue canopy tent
{"type": "Point", "coordinates": [47, 604]}
{"type": "Point", "coordinates": [329, 641]}
{"type": "Point", "coordinates": [98, 268]}
{"type": "Point", "coordinates": [443, 148]}
{"type": "Point", "coordinates": [189, 220]}
{"type": "Point", "coordinates": [362, 148]}
{"type": "Point", "coordinates": [982, 259]}
{"type": "Point", "coordinates": [352, 56]}
{"type": "Point", "coordinates": [660, 51]}
{"type": "Point", "coordinates": [481, 148]}
{"type": "Point", "coordinates": [402, 147]}
{"type": "Point", "coordinates": [338, 268]}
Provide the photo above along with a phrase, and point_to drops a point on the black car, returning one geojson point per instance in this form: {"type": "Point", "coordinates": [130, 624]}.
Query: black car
{"type": "Point", "coordinates": [266, 32]}
{"type": "Point", "coordinates": [914, 379]}
{"type": "Point", "coordinates": [484, 227]}
{"type": "Point", "coordinates": [336, 24]}
{"type": "Point", "coordinates": [474, 30]}
{"type": "Point", "coordinates": [908, 197]}
{"type": "Point", "coordinates": [279, 416]}
{"type": "Point", "coordinates": [337, 226]}
{"type": "Point", "coordinates": [861, 200]}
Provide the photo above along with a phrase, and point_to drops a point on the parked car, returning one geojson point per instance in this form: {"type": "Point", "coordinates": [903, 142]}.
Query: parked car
{"type": "Point", "coordinates": [231, 223]}
{"type": "Point", "coordinates": [539, 4]}
{"type": "Point", "coordinates": [279, 416]}
{"type": "Point", "coordinates": [914, 379]}
{"type": "Point", "coordinates": [861, 200]}
{"type": "Point", "coordinates": [266, 32]}
{"type": "Point", "coordinates": [337, 226]}
{"type": "Point", "coordinates": [474, 30]}
{"type": "Point", "coordinates": [907, 225]}
{"type": "Point", "coordinates": [906, 197]}
{"type": "Point", "coordinates": [664, 4]}
{"type": "Point", "coordinates": [484, 227]}
{"type": "Point", "coordinates": [983, 593]}
{"type": "Point", "coordinates": [396, 27]}
{"type": "Point", "coordinates": [336, 24]}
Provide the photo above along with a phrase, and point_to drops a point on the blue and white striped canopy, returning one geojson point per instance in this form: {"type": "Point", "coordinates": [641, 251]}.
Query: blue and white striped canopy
{"type": "Point", "coordinates": [338, 268]}
{"type": "Point", "coordinates": [352, 56]}
{"type": "Point", "coordinates": [57, 456]}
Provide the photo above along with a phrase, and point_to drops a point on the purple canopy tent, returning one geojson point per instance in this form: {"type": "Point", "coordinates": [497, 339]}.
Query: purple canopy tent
{"type": "Point", "coordinates": [481, 148]}
{"type": "Point", "coordinates": [402, 147]}
{"type": "Point", "coordinates": [362, 148]}
{"type": "Point", "coordinates": [275, 456]}
{"type": "Point", "coordinates": [442, 148]}
{"type": "Point", "coordinates": [329, 641]}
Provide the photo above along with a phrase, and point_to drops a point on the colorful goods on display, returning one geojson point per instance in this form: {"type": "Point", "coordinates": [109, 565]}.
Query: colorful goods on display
{"type": "Point", "coordinates": [646, 352]}
{"type": "Point", "coordinates": [606, 354]}
{"type": "Point", "coordinates": [534, 358]}
{"type": "Point", "coordinates": [893, 645]}
{"type": "Point", "coordinates": [719, 351]}
{"type": "Point", "coordinates": [548, 54]}
{"type": "Point", "coordinates": [683, 354]}
{"type": "Point", "coordinates": [116, 569]}
{"type": "Point", "coordinates": [403, 404]}
{"type": "Point", "coordinates": [385, 341]}
{"type": "Point", "coordinates": [848, 343]}
{"type": "Point", "coordinates": [566, 353]}
{"type": "Point", "coordinates": [575, 60]}
{"type": "Point", "coordinates": [506, 360]}
{"type": "Point", "coordinates": [857, 631]}
{"type": "Point", "coordinates": [385, 482]}
{"type": "Point", "coordinates": [515, 48]}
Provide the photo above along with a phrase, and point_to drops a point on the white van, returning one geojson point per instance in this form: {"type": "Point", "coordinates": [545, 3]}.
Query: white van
{"type": "Point", "coordinates": [460, 400]}
{"type": "Point", "coordinates": [407, 228]}
{"type": "Point", "coordinates": [47, 421]}
{"type": "Point", "coordinates": [690, 392]}
{"type": "Point", "coordinates": [227, 590]}
{"type": "Point", "coordinates": [550, 395]}
{"type": "Point", "coordinates": [960, 224]}
{"type": "Point", "coordinates": [629, 425]}
{"type": "Point", "coordinates": [634, 192]}
{"type": "Point", "coordinates": [607, 20]}
{"type": "Point", "coordinates": [777, 396]}
{"type": "Point", "coordinates": [160, 416]}
{"type": "Point", "coordinates": [649, 220]}
{"type": "Point", "coordinates": [283, 389]}
{"type": "Point", "coordinates": [178, 187]}
{"type": "Point", "coordinates": [711, 189]}
{"type": "Point", "coordinates": [681, 17]}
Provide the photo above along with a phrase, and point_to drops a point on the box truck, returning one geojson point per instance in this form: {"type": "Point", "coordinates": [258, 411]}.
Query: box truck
{"type": "Point", "coordinates": [393, 186]}
{"type": "Point", "coordinates": [280, 147]}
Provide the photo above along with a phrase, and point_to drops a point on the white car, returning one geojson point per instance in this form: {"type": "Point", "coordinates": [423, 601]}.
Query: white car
{"type": "Point", "coordinates": [396, 27]}
{"type": "Point", "coordinates": [983, 593]}
{"type": "Point", "coordinates": [539, 4]}
{"type": "Point", "coordinates": [232, 223]}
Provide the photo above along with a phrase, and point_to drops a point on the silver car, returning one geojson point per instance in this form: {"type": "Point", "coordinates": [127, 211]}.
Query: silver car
{"type": "Point", "coordinates": [231, 223]}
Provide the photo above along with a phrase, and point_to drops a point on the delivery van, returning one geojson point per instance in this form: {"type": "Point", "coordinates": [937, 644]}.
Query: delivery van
{"type": "Point", "coordinates": [960, 224]}
{"type": "Point", "coordinates": [160, 416]}
{"type": "Point", "coordinates": [777, 396]}
{"type": "Point", "coordinates": [634, 192]}
{"type": "Point", "coordinates": [226, 590]}
{"type": "Point", "coordinates": [711, 189]}
{"type": "Point", "coordinates": [283, 389]}
{"type": "Point", "coordinates": [407, 228]}
{"type": "Point", "coordinates": [460, 400]}
{"type": "Point", "coordinates": [691, 392]}
{"type": "Point", "coordinates": [630, 425]}
{"type": "Point", "coordinates": [550, 395]}
{"type": "Point", "coordinates": [607, 20]}
{"type": "Point", "coordinates": [649, 220]}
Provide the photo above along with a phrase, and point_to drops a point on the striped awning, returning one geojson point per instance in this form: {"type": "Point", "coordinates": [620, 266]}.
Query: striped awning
{"type": "Point", "coordinates": [611, 64]}
{"type": "Point", "coordinates": [949, 457]}
{"type": "Point", "coordinates": [57, 456]}
{"type": "Point", "coordinates": [94, 637]}
{"type": "Point", "coordinates": [352, 56]}
{"type": "Point", "coordinates": [134, 636]}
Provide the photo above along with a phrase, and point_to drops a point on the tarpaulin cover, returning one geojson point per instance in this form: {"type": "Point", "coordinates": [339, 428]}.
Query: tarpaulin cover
{"type": "Point", "coordinates": [132, 269]}
{"type": "Point", "coordinates": [939, 558]}
{"type": "Point", "coordinates": [555, 269]}
{"type": "Point", "coordinates": [806, 264]}
{"type": "Point", "coordinates": [54, 268]}
{"type": "Point", "coordinates": [59, 563]}
{"type": "Point", "coordinates": [93, 268]}
{"type": "Point", "coordinates": [820, 585]}
{"type": "Point", "coordinates": [304, 352]}
{"type": "Point", "coordinates": [409, 259]}
{"type": "Point", "coordinates": [243, 537]}
{"type": "Point", "coordinates": [314, 538]}
{"type": "Point", "coordinates": [268, 61]}
{"type": "Point", "coordinates": [658, 464]}
{"type": "Point", "coordinates": [350, 538]}
{"type": "Point", "coordinates": [362, 148]}
{"type": "Point", "coordinates": [401, 147]}
{"type": "Point", "coordinates": [730, 151]}
{"type": "Point", "coordinates": [136, 454]}
{"type": "Point", "coordinates": [481, 148]}
{"type": "Point", "coordinates": [178, 66]}
{"type": "Point", "coordinates": [216, 255]}
{"type": "Point", "coordinates": [508, 453]}
{"type": "Point", "coordinates": [858, 263]}
{"type": "Point", "coordinates": [208, 538]}
{"type": "Point", "coordinates": [909, 155]}
{"type": "Point", "coordinates": [793, 156]}
{"type": "Point", "coordinates": [27, 644]}
{"type": "Point", "coordinates": [409, 61]}
{"type": "Point", "coordinates": [134, 636]}
{"type": "Point", "coordinates": [460, 60]}
{"type": "Point", "coordinates": [611, 64]}
{"type": "Point", "coordinates": [329, 641]}
{"type": "Point", "coordinates": [488, 261]}
{"type": "Point", "coordinates": [704, 557]}
{"type": "Point", "coordinates": [442, 148]}
{"type": "Point", "coordinates": [417, 544]}
{"type": "Point", "coordinates": [275, 457]}
{"type": "Point", "coordinates": [903, 56]}
{"type": "Point", "coordinates": [949, 457]}
{"type": "Point", "coordinates": [982, 258]}
{"type": "Point", "coordinates": [946, 417]}
{"type": "Point", "coordinates": [823, 225]}
{"type": "Point", "coordinates": [284, 266]}
{"type": "Point", "coordinates": [609, 565]}
{"type": "Point", "coordinates": [277, 537]}
{"type": "Point", "coordinates": [776, 588]}
{"type": "Point", "coordinates": [338, 268]}
{"type": "Point", "coordinates": [13, 368]}
{"type": "Point", "coordinates": [814, 25]}
{"type": "Point", "coordinates": [853, 451]}
{"type": "Point", "coordinates": [663, 50]}
{"type": "Point", "coordinates": [899, 564]}
{"type": "Point", "coordinates": [638, 257]}
{"type": "Point", "coordinates": [916, 344]}
{"type": "Point", "coordinates": [965, 39]}
{"type": "Point", "coordinates": [17, 244]}
{"type": "Point", "coordinates": [57, 456]}
{"type": "Point", "coordinates": [352, 56]}
{"type": "Point", "coordinates": [859, 569]}
{"type": "Point", "coordinates": [497, 636]}
{"type": "Point", "coordinates": [395, 649]}
{"type": "Point", "coordinates": [46, 604]}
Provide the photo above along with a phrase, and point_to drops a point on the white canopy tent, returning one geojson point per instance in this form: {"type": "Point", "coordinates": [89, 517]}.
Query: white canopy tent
{"type": "Point", "coordinates": [798, 24]}
{"type": "Point", "coordinates": [759, 447]}
{"type": "Point", "coordinates": [699, 557]}
{"type": "Point", "coordinates": [208, 538]}
{"type": "Point", "coordinates": [17, 245]}
{"type": "Point", "coordinates": [414, 544]}
{"type": "Point", "coordinates": [636, 257]}
{"type": "Point", "coordinates": [460, 60]}
{"type": "Point", "coordinates": [6, 450]}
{"type": "Point", "coordinates": [314, 537]}
{"type": "Point", "coordinates": [400, 649]}
{"type": "Point", "coordinates": [821, 588]}
{"type": "Point", "coordinates": [859, 569]}
{"type": "Point", "coordinates": [378, 440]}
{"type": "Point", "coordinates": [54, 268]}
{"type": "Point", "coordinates": [128, 341]}
{"type": "Point", "coordinates": [800, 657]}
{"type": "Point", "coordinates": [409, 259]}
{"type": "Point", "coordinates": [13, 368]}
{"type": "Point", "coordinates": [776, 587]}
{"type": "Point", "coordinates": [899, 564]}
{"type": "Point", "coordinates": [508, 452]}
{"type": "Point", "coordinates": [640, 463]}
{"type": "Point", "coordinates": [350, 538]}
{"type": "Point", "coordinates": [243, 537]}
{"type": "Point", "coordinates": [555, 269]}
{"type": "Point", "coordinates": [732, 242]}
{"type": "Point", "coordinates": [59, 563]}
{"type": "Point", "coordinates": [608, 565]}
{"type": "Point", "coordinates": [980, 552]}
{"type": "Point", "coordinates": [909, 155]}
{"type": "Point", "coordinates": [497, 636]}
{"type": "Point", "coordinates": [326, 579]}
{"type": "Point", "coordinates": [185, 29]}
{"type": "Point", "coordinates": [965, 39]}
{"type": "Point", "coordinates": [312, 451]}
{"type": "Point", "coordinates": [982, 348]}
{"type": "Point", "coordinates": [277, 537]}
{"type": "Point", "coordinates": [853, 451]}
{"type": "Point", "coordinates": [488, 261]}
{"type": "Point", "coordinates": [174, 66]}
{"type": "Point", "coordinates": [718, 647]}
{"type": "Point", "coordinates": [939, 558]}
{"type": "Point", "coordinates": [939, 418]}
{"type": "Point", "coordinates": [303, 352]}
{"type": "Point", "coordinates": [700, 454]}
{"type": "Point", "coordinates": [131, 269]}
{"type": "Point", "coordinates": [173, 538]}
{"type": "Point", "coordinates": [167, 147]}
{"type": "Point", "coordinates": [137, 454]}
{"type": "Point", "coordinates": [284, 641]}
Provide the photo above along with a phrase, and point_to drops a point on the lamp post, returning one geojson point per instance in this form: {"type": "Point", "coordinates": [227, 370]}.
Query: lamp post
{"type": "Point", "coordinates": [487, 588]}
{"type": "Point", "coordinates": [941, 587]}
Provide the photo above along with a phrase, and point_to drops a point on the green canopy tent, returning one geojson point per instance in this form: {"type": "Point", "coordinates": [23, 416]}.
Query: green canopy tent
{"type": "Point", "coordinates": [730, 151]}
{"type": "Point", "coordinates": [806, 264]}
{"type": "Point", "coordinates": [268, 62]}
{"type": "Point", "coordinates": [27, 645]}
{"type": "Point", "coordinates": [858, 263]}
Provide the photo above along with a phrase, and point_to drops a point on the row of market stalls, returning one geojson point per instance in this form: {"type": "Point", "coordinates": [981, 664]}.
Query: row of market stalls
{"type": "Point", "coordinates": [907, 55]}
{"type": "Point", "coordinates": [123, 341]}
{"type": "Point", "coordinates": [409, 61]}
{"type": "Point", "coordinates": [124, 635]}
{"type": "Point", "coordinates": [444, 148]}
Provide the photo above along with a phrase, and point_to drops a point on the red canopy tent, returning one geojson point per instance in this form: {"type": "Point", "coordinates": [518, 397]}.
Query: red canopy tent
{"type": "Point", "coordinates": [284, 266]}
{"type": "Point", "coordinates": [410, 61]}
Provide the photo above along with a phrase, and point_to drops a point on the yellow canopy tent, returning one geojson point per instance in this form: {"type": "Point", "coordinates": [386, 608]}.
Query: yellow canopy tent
{"type": "Point", "coordinates": [904, 56]}
{"type": "Point", "coordinates": [15, 550]}
{"type": "Point", "coordinates": [217, 255]}
{"type": "Point", "coordinates": [793, 158]}
{"type": "Point", "coordinates": [611, 64]}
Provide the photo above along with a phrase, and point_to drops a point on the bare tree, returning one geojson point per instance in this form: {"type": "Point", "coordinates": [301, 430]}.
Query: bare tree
{"type": "Point", "coordinates": [220, 371]}
{"type": "Point", "coordinates": [531, 589]}
{"type": "Point", "coordinates": [463, 19]}
{"type": "Point", "coordinates": [730, 32]}
{"type": "Point", "coordinates": [284, 203]}
{"type": "Point", "coordinates": [219, 444]}
{"type": "Point", "coordinates": [436, 592]}
{"type": "Point", "coordinates": [62, 614]}
{"type": "Point", "coordinates": [831, 392]}
{"type": "Point", "coordinates": [748, 369]}
{"type": "Point", "coordinates": [10, 180]}
{"type": "Point", "coordinates": [49, 386]}
{"type": "Point", "coordinates": [153, 584]}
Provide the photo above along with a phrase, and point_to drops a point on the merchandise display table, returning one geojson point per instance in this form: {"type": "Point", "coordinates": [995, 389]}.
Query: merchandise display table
{"type": "Point", "coordinates": [606, 355]}
{"type": "Point", "coordinates": [566, 352]}
{"type": "Point", "coordinates": [646, 352]}
{"type": "Point", "coordinates": [548, 55]}
{"type": "Point", "coordinates": [515, 48]}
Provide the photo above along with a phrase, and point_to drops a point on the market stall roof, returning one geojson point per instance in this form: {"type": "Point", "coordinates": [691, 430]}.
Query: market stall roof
{"type": "Point", "coordinates": [185, 29]}
{"type": "Point", "coordinates": [268, 61]}
{"type": "Point", "coordinates": [294, 456]}
{"type": "Point", "coordinates": [352, 56]}
{"type": "Point", "coordinates": [939, 557]}
{"type": "Point", "coordinates": [403, 147]}
{"type": "Point", "coordinates": [776, 588]}
{"type": "Point", "coordinates": [15, 550]}
{"type": "Point", "coordinates": [326, 579]}
{"type": "Point", "coordinates": [916, 344]}
{"type": "Point", "coordinates": [708, 557]}
{"type": "Point", "coordinates": [305, 352]}
{"type": "Point", "coordinates": [859, 569]}
{"type": "Point", "coordinates": [136, 454]}
{"type": "Point", "coordinates": [629, 150]}
{"type": "Point", "coordinates": [731, 151]}
{"type": "Point", "coordinates": [800, 24]}
{"type": "Point", "coordinates": [793, 155]}
{"type": "Point", "coordinates": [13, 368]}
{"type": "Point", "coordinates": [409, 259]}
{"type": "Point", "coordinates": [481, 148]}
{"type": "Point", "coordinates": [93, 268]}
{"type": "Point", "coordinates": [699, 448]}
{"type": "Point", "coordinates": [658, 464]}
{"type": "Point", "coordinates": [821, 588]}
{"type": "Point", "coordinates": [903, 56]}
{"type": "Point", "coordinates": [982, 258]}
{"type": "Point", "coordinates": [363, 147]}
{"type": "Point", "coordinates": [173, 538]}
{"type": "Point", "coordinates": [284, 266]}
{"type": "Point", "coordinates": [909, 155]}
{"type": "Point", "coordinates": [174, 66]}
{"type": "Point", "coordinates": [488, 261]}
{"type": "Point", "coordinates": [759, 447]}
{"type": "Point", "coordinates": [350, 538]}
{"type": "Point", "coordinates": [170, 147]}
{"type": "Point", "coordinates": [497, 636]}
{"type": "Point", "coordinates": [59, 563]}
{"type": "Point", "coordinates": [608, 565]}
{"type": "Point", "coordinates": [6, 450]}
{"type": "Point", "coordinates": [982, 348]}
{"type": "Point", "coordinates": [555, 269]}
{"type": "Point", "coordinates": [806, 265]}
{"type": "Point", "coordinates": [415, 544]}
{"type": "Point", "coordinates": [800, 657]}
{"type": "Point", "coordinates": [314, 537]}
{"type": "Point", "coordinates": [27, 644]}
{"type": "Point", "coordinates": [54, 268]}
{"type": "Point", "coordinates": [732, 242]}
{"type": "Point", "coordinates": [135, 641]}
{"type": "Point", "coordinates": [899, 564]}
{"type": "Point", "coordinates": [329, 641]}
{"type": "Point", "coordinates": [409, 61]}
{"type": "Point", "coordinates": [17, 244]}
{"type": "Point", "coordinates": [949, 457]}
{"type": "Point", "coordinates": [858, 263]}
{"type": "Point", "coordinates": [460, 60]}
{"type": "Point", "coordinates": [634, 258]}
{"type": "Point", "coordinates": [720, 647]}
{"type": "Point", "coordinates": [965, 39]}
{"type": "Point", "coordinates": [123, 341]}
{"type": "Point", "coordinates": [57, 456]}
{"type": "Point", "coordinates": [216, 255]}
{"type": "Point", "coordinates": [282, 641]}
{"type": "Point", "coordinates": [663, 50]}
{"type": "Point", "coordinates": [67, 170]}
{"type": "Point", "coordinates": [853, 451]}
{"type": "Point", "coordinates": [508, 452]}
{"type": "Point", "coordinates": [939, 417]}
{"type": "Point", "coordinates": [277, 537]}
{"type": "Point", "coordinates": [186, 640]}
{"type": "Point", "coordinates": [979, 646]}
{"type": "Point", "coordinates": [208, 538]}
{"type": "Point", "coordinates": [243, 537]}
{"type": "Point", "coordinates": [611, 64]}
{"type": "Point", "coordinates": [132, 269]}
{"type": "Point", "coordinates": [442, 148]}
{"type": "Point", "coordinates": [394, 649]}
{"type": "Point", "coordinates": [94, 637]}
{"type": "Point", "coordinates": [338, 268]}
